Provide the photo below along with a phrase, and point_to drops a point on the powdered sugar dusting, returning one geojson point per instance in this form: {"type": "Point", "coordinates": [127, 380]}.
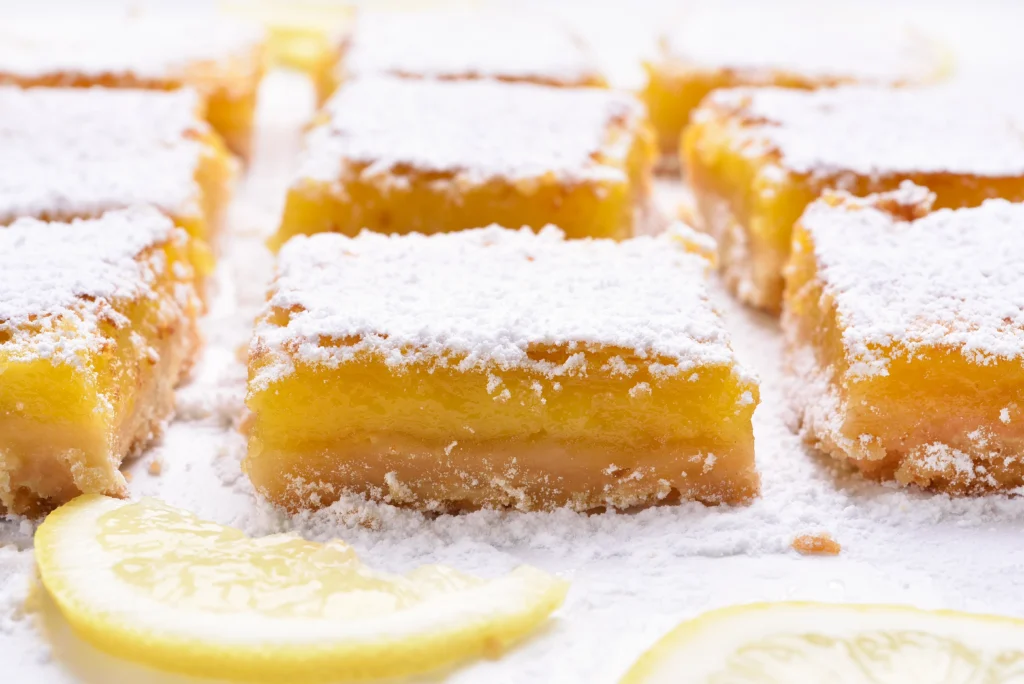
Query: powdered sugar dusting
{"type": "Point", "coordinates": [968, 295]}
{"type": "Point", "coordinates": [484, 297]}
{"type": "Point", "coordinates": [812, 44]}
{"type": "Point", "coordinates": [74, 152]}
{"type": "Point", "coordinates": [479, 129]}
{"type": "Point", "coordinates": [482, 44]}
{"type": "Point", "coordinates": [877, 131]}
{"type": "Point", "coordinates": [60, 280]}
{"type": "Point", "coordinates": [150, 47]}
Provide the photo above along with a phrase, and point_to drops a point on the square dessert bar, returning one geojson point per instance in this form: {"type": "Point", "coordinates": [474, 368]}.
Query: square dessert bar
{"type": "Point", "coordinates": [76, 152]}
{"type": "Point", "coordinates": [755, 158]}
{"type": "Point", "coordinates": [403, 155]}
{"type": "Point", "coordinates": [905, 338]}
{"type": "Point", "coordinates": [496, 368]}
{"type": "Point", "coordinates": [455, 45]}
{"type": "Point", "coordinates": [721, 48]}
{"type": "Point", "coordinates": [97, 326]}
{"type": "Point", "coordinates": [221, 59]}
{"type": "Point", "coordinates": [305, 36]}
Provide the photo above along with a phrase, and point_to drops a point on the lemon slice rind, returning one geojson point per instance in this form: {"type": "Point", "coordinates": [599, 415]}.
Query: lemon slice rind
{"type": "Point", "coordinates": [748, 640]}
{"type": "Point", "coordinates": [114, 617]}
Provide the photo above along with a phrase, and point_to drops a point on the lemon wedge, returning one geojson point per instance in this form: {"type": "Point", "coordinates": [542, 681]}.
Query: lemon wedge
{"type": "Point", "coordinates": [157, 585]}
{"type": "Point", "coordinates": [841, 644]}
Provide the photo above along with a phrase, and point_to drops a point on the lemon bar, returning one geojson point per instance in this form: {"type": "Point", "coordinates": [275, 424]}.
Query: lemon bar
{"type": "Point", "coordinates": [905, 336]}
{"type": "Point", "coordinates": [221, 59]}
{"type": "Point", "coordinates": [306, 35]}
{"type": "Point", "coordinates": [496, 368]}
{"type": "Point", "coordinates": [403, 155]}
{"type": "Point", "coordinates": [722, 48]}
{"type": "Point", "coordinates": [75, 153]}
{"type": "Point", "coordinates": [97, 325]}
{"type": "Point", "coordinates": [464, 44]}
{"type": "Point", "coordinates": [756, 158]}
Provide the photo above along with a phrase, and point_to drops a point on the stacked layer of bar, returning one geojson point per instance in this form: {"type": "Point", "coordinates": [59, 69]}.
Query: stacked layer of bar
{"type": "Point", "coordinates": [495, 367]}
{"type": "Point", "coordinates": [97, 326]}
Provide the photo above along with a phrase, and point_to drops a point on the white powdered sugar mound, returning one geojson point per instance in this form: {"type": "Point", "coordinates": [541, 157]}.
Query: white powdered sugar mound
{"type": "Point", "coordinates": [633, 575]}
{"type": "Point", "coordinates": [150, 47]}
{"type": "Point", "coordinates": [967, 295]}
{"type": "Point", "coordinates": [485, 297]}
{"type": "Point", "coordinates": [805, 42]}
{"type": "Point", "coordinates": [482, 130]}
{"type": "Point", "coordinates": [77, 151]}
{"type": "Point", "coordinates": [468, 44]}
{"type": "Point", "coordinates": [878, 131]}
{"type": "Point", "coordinates": [61, 281]}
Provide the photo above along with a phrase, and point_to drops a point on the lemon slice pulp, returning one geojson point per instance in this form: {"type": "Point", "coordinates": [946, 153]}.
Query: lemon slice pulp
{"type": "Point", "coordinates": [157, 585]}
{"type": "Point", "coordinates": [841, 644]}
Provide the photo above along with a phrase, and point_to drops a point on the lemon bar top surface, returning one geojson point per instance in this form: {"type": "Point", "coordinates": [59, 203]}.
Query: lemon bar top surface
{"type": "Point", "coordinates": [876, 131]}
{"type": "Point", "coordinates": [479, 130]}
{"type": "Point", "coordinates": [828, 45]}
{"type": "Point", "coordinates": [61, 281]}
{"type": "Point", "coordinates": [482, 44]}
{"type": "Point", "coordinates": [76, 152]}
{"type": "Point", "coordinates": [486, 298]}
{"type": "Point", "coordinates": [148, 47]}
{"type": "Point", "coordinates": [967, 295]}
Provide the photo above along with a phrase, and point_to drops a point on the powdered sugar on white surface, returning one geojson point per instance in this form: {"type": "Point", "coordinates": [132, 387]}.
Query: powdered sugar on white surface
{"type": "Point", "coordinates": [62, 280]}
{"type": "Point", "coordinates": [77, 151]}
{"type": "Point", "coordinates": [877, 131]}
{"type": "Point", "coordinates": [150, 47]}
{"type": "Point", "coordinates": [480, 130]}
{"type": "Point", "coordinates": [505, 45]}
{"type": "Point", "coordinates": [485, 298]}
{"type": "Point", "coordinates": [806, 42]}
{"type": "Point", "coordinates": [968, 295]}
{"type": "Point", "coordinates": [633, 575]}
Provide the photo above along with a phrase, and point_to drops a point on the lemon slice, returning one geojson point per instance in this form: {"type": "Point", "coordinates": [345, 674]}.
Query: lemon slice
{"type": "Point", "coordinates": [157, 585]}
{"type": "Point", "coordinates": [840, 644]}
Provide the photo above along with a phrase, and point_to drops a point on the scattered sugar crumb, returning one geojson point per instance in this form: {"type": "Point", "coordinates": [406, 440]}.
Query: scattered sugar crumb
{"type": "Point", "coordinates": [156, 467]}
{"type": "Point", "coordinates": [816, 544]}
{"type": "Point", "coordinates": [641, 389]}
